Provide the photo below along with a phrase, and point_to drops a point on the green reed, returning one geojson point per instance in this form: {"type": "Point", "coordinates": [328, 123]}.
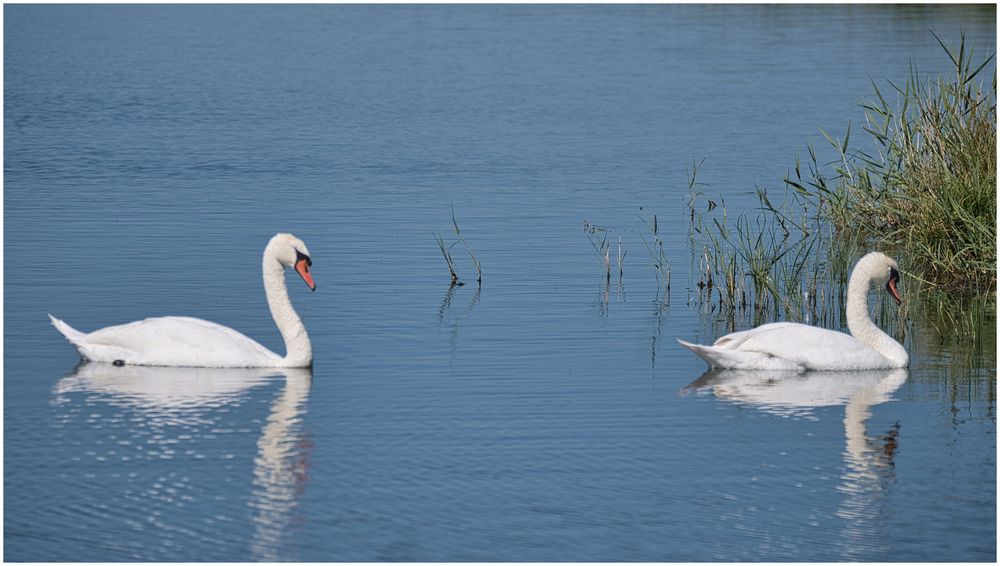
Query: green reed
{"type": "Point", "coordinates": [468, 248]}
{"type": "Point", "coordinates": [928, 186]}
{"type": "Point", "coordinates": [446, 252]}
{"type": "Point", "coordinates": [925, 194]}
{"type": "Point", "coordinates": [622, 253]}
{"type": "Point", "coordinates": [598, 238]}
{"type": "Point", "coordinates": [753, 261]}
{"type": "Point", "coordinates": [661, 264]}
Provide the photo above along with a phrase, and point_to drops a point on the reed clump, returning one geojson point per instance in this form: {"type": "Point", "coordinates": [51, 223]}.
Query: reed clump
{"type": "Point", "coordinates": [927, 187]}
{"type": "Point", "coordinates": [924, 191]}
{"type": "Point", "coordinates": [769, 263]}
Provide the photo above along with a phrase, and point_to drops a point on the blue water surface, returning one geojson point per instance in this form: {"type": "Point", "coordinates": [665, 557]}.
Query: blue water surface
{"type": "Point", "coordinates": [150, 151]}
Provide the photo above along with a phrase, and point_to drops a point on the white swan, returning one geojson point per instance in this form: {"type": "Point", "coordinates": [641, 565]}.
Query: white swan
{"type": "Point", "coordinates": [799, 347]}
{"type": "Point", "coordinates": [193, 342]}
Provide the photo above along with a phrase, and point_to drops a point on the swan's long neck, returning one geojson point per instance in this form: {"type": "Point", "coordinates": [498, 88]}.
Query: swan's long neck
{"type": "Point", "coordinates": [298, 348]}
{"type": "Point", "coordinates": [859, 322]}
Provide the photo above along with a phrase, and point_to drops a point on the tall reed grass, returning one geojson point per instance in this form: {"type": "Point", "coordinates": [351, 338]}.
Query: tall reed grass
{"type": "Point", "coordinates": [927, 187]}
{"type": "Point", "coordinates": [924, 191]}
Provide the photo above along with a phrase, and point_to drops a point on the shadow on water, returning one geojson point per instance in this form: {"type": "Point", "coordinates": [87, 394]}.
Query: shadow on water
{"type": "Point", "coordinates": [187, 402]}
{"type": "Point", "coordinates": [868, 460]}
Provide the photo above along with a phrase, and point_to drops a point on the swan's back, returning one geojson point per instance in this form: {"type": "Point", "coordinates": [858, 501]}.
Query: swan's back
{"type": "Point", "coordinates": [790, 346]}
{"type": "Point", "coordinates": [170, 341]}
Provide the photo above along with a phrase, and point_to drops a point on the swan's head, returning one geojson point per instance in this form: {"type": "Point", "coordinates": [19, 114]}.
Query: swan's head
{"type": "Point", "coordinates": [292, 252]}
{"type": "Point", "coordinates": [883, 270]}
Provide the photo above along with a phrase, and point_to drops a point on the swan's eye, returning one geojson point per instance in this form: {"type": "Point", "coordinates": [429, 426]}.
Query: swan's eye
{"type": "Point", "coordinates": [299, 256]}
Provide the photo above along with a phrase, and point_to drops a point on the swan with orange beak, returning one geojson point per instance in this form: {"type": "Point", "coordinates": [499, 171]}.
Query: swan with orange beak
{"type": "Point", "coordinates": [192, 342]}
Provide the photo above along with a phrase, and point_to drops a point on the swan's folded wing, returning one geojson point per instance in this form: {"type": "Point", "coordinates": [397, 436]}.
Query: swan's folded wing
{"type": "Point", "coordinates": [808, 346]}
{"type": "Point", "coordinates": [734, 340]}
{"type": "Point", "coordinates": [159, 341]}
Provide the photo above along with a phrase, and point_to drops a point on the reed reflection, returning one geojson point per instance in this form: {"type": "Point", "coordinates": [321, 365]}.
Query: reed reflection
{"type": "Point", "coordinates": [451, 317]}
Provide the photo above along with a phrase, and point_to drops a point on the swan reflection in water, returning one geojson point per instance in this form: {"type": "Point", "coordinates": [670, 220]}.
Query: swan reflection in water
{"type": "Point", "coordinates": [868, 460]}
{"type": "Point", "coordinates": [185, 403]}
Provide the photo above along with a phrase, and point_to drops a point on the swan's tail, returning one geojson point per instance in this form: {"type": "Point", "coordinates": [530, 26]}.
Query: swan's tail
{"type": "Point", "coordinates": [71, 334]}
{"type": "Point", "coordinates": [727, 358]}
{"type": "Point", "coordinates": [709, 354]}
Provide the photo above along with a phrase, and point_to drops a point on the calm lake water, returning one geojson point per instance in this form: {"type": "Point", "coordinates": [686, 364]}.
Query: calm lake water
{"type": "Point", "coordinates": [151, 151]}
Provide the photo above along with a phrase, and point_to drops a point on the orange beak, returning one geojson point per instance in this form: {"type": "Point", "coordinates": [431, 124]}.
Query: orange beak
{"type": "Point", "coordinates": [302, 268]}
{"type": "Point", "coordinates": [891, 287]}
